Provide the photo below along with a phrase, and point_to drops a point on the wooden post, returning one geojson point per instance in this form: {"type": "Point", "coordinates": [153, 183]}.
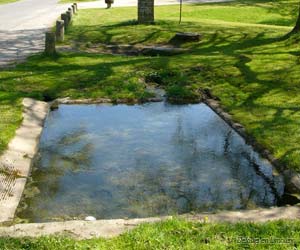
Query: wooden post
{"type": "Point", "coordinates": [180, 14]}
{"type": "Point", "coordinates": [50, 44]}
{"type": "Point", "coordinates": [65, 18]}
{"type": "Point", "coordinates": [60, 30]}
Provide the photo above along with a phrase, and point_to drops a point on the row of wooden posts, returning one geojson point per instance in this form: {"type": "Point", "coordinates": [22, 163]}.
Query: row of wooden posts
{"type": "Point", "coordinates": [60, 28]}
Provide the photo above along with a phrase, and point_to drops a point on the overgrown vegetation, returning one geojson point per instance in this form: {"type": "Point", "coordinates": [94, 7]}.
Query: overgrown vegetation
{"type": "Point", "coordinates": [178, 234]}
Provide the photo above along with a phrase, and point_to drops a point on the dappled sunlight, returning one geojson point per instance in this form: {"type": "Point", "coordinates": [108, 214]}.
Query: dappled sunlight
{"type": "Point", "coordinates": [247, 63]}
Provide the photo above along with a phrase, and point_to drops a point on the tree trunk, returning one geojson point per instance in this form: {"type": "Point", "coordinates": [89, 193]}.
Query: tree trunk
{"type": "Point", "coordinates": [145, 11]}
{"type": "Point", "coordinates": [109, 3]}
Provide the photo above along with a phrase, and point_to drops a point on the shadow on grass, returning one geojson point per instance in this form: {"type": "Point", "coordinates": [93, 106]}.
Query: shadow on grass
{"type": "Point", "coordinates": [287, 12]}
{"type": "Point", "coordinates": [75, 74]}
{"type": "Point", "coordinates": [221, 49]}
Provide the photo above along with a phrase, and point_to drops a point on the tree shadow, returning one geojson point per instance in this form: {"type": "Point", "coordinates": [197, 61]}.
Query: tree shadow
{"type": "Point", "coordinates": [81, 73]}
{"type": "Point", "coordinates": [19, 44]}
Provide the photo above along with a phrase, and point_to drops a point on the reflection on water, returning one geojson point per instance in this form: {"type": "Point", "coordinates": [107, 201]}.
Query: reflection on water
{"type": "Point", "coordinates": [144, 160]}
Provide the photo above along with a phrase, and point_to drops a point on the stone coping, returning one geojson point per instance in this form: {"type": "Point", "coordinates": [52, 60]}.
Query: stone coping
{"type": "Point", "coordinates": [69, 101]}
{"type": "Point", "coordinates": [16, 162]}
{"type": "Point", "coordinates": [114, 227]}
{"type": "Point", "coordinates": [291, 177]}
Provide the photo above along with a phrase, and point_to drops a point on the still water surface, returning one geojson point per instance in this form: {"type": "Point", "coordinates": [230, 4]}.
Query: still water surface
{"type": "Point", "coordinates": [143, 160]}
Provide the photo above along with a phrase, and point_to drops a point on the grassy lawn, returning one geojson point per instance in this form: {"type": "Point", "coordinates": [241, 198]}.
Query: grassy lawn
{"type": "Point", "coordinates": [78, 1]}
{"type": "Point", "coordinates": [7, 1]}
{"type": "Point", "coordinates": [177, 234]}
{"type": "Point", "coordinates": [11, 116]}
{"type": "Point", "coordinates": [241, 59]}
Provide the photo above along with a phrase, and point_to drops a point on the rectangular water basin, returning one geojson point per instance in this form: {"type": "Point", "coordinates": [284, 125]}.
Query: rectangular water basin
{"type": "Point", "coordinates": [143, 160]}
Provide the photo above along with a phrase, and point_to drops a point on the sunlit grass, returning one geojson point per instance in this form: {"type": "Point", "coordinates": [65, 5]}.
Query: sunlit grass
{"type": "Point", "coordinates": [241, 58]}
{"type": "Point", "coordinates": [7, 1]}
{"type": "Point", "coordinates": [78, 1]}
{"type": "Point", "coordinates": [178, 234]}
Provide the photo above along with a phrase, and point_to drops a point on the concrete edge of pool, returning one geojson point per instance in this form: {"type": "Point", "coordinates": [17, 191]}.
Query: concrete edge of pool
{"type": "Point", "coordinates": [19, 156]}
{"type": "Point", "coordinates": [291, 178]}
{"type": "Point", "coordinates": [80, 229]}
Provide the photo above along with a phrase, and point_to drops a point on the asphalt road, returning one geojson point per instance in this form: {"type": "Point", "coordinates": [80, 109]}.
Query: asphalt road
{"type": "Point", "coordinates": [22, 27]}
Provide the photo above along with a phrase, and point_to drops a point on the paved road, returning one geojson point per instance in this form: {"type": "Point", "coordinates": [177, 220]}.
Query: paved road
{"type": "Point", "coordinates": [23, 24]}
{"type": "Point", "coordinates": [22, 27]}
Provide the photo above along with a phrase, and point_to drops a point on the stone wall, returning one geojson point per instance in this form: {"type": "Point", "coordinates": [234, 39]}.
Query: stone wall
{"type": "Point", "coordinates": [145, 11]}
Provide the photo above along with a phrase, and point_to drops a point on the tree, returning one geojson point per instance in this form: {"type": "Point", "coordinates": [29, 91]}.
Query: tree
{"type": "Point", "coordinates": [145, 11]}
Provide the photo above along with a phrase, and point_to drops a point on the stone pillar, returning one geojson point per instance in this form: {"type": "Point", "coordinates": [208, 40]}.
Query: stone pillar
{"type": "Point", "coordinates": [65, 18]}
{"type": "Point", "coordinates": [50, 44]}
{"type": "Point", "coordinates": [69, 16]}
{"type": "Point", "coordinates": [60, 30]}
{"type": "Point", "coordinates": [146, 11]}
{"type": "Point", "coordinates": [76, 7]}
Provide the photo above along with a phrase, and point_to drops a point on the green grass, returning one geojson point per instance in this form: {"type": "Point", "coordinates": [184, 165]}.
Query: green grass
{"type": "Point", "coordinates": [7, 1]}
{"type": "Point", "coordinates": [11, 116]}
{"type": "Point", "coordinates": [241, 59]}
{"type": "Point", "coordinates": [177, 234]}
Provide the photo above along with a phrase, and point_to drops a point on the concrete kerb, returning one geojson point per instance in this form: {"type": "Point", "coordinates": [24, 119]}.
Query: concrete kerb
{"type": "Point", "coordinates": [291, 177]}
{"type": "Point", "coordinates": [111, 228]}
{"type": "Point", "coordinates": [17, 160]}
